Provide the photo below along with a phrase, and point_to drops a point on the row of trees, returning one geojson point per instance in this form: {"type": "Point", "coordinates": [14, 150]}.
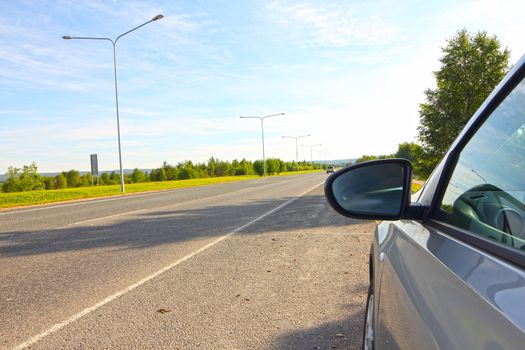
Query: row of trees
{"type": "Point", "coordinates": [28, 179]}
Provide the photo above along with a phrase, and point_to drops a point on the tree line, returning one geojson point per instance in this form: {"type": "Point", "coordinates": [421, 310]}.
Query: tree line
{"type": "Point", "coordinates": [27, 178]}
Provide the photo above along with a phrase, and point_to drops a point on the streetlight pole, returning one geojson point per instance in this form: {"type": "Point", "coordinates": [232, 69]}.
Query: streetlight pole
{"type": "Point", "coordinates": [312, 151]}
{"type": "Point", "coordinates": [262, 134]}
{"type": "Point", "coordinates": [296, 147]}
{"type": "Point", "coordinates": [114, 43]}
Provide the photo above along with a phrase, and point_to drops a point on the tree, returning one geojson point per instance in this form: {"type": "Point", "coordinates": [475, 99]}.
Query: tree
{"type": "Point", "coordinates": [365, 158]}
{"type": "Point", "coordinates": [73, 178]}
{"type": "Point", "coordinates": [25, 179]}
{"type": "Point", "coordinates": [61, 181]}
{"type": "Point", "coordinates": [471, 67]}
{"type": "Point", "coordinates": [258, 167]}
{"type": "Point", "coordinates": [414, 153]}
{"type": "Point", "coordinates": [138, 176]}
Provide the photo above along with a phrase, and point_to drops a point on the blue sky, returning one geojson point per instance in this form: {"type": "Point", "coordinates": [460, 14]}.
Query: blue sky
{"type": "Point", "coordinates": [350, 73]}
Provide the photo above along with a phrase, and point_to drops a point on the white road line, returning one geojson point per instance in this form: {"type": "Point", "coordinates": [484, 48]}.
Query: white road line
{"type": "Point", "coordinates": [116, 295]}
{"type": "Point", "coordinates": [107, 217]}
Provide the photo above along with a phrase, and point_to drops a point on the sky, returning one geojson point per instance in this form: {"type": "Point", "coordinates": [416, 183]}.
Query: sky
{"type": "Point", "coordinates": [349, 73]}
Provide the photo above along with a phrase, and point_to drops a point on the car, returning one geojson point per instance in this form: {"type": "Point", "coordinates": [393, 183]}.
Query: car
{"type": "Point", "coordinates": [330, 169]}
{"type": "Point", "coordinates": [447, 264]}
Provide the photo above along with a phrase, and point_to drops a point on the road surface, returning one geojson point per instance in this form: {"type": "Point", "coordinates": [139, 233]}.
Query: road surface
{"type": "Point", "coordinates": [259, 264]}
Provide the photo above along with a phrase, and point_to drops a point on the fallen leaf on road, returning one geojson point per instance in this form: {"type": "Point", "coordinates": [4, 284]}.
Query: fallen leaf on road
{"type": "Point", "coordinates": [247, 299]}
{"type": "Point", "coordinates": [163, 311]}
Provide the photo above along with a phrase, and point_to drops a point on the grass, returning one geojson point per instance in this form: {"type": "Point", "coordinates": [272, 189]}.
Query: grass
{"type": "Point", "coordinates": [17, 199]}
{"type": "Point", "coordinates": [416, 186]}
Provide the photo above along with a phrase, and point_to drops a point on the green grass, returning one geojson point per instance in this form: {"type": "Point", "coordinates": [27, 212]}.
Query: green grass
{"type": "Point", "coordinates": [16, 199]}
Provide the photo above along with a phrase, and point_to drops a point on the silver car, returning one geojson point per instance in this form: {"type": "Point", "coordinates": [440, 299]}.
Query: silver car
{"type": "Point", "coordinates": [447, 265]}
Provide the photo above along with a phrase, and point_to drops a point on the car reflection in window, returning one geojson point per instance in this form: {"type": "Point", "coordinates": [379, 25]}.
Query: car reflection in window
{"type": "Point", "coordinates": [491, 212]}
{"type": "Point", "coordinates": [486, 191]}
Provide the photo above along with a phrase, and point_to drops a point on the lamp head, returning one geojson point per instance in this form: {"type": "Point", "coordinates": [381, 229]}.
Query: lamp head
{"type": "Point", "coordinates": [67, 37]}
{"type": "Point", "coordinates": [157, 17]}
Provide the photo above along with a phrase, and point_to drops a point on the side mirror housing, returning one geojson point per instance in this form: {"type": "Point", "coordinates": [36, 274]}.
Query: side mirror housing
{"type": "Point", "coordinates": [376, 190]}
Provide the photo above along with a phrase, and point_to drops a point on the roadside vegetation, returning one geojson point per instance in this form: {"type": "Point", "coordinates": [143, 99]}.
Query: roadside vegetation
{"type": "Point", "coordinates": [28, 179]}
{"type": "Point", "coordinates": [15, 199]}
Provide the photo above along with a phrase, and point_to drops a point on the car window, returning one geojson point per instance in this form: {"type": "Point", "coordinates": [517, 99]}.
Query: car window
{"type": "Point", "coordinates": [486, 192]}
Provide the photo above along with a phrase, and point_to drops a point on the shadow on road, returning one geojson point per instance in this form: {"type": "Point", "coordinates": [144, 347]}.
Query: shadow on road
{"type": "Point", "coordinates": [156, 228]}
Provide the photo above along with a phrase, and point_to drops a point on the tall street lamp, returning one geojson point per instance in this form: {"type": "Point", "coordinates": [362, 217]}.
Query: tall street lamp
{"type": "Point", "coordinates": [114, 42]}
{"type": "Point", "coordinates": [312, 151]}
{"type": "Point", "coordinates": [296, 147]}
{"type": "Point", "coordinates": [262, 133]}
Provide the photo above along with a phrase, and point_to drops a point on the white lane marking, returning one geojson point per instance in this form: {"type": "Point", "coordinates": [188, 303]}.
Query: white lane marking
{"type": "Point", "coordinates": [106, 217]}
{"type": "Point", "coordinates": [116, 295]}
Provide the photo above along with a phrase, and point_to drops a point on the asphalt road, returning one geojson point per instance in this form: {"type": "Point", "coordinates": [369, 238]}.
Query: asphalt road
{"type": "Point", "coordinates": [262, 264]}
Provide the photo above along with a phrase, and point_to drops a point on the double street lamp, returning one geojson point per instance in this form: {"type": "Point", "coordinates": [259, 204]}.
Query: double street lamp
{"type": "Point", "coordinates": [312, 151]}
{"type": "Point", "coordinates": [262, 134]}
{"type": "Point", "coordinates": [114, 42]}
{"type": "Point", "coordinates": [296, 147]}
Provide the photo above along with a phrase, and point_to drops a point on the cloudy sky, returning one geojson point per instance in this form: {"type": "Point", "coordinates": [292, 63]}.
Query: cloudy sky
{"type": "Point", "coordinates": [350, 73]}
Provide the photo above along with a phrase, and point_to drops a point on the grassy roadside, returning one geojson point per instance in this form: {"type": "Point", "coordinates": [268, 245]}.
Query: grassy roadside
{"type": "Point", "coordinates": [416, 186]}
{"type": "Point", "coordinates": [17, 199]}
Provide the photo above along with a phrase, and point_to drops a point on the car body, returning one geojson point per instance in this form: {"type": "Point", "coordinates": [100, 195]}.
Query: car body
{"type": "Point", "coordinates": [447, 264]}
{"type": "Point", "coordinates": [330, 169]}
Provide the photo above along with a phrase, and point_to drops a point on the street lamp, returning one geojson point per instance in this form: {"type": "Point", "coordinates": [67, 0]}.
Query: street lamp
{"type": "Point", "coordinates": [312, 151]}
{"type": "Point", "coordinates": [296, 148]}
{"type": "Point", "coordinates": [262, 133]}
{"type": "Point", "coordinates": [114, 42]}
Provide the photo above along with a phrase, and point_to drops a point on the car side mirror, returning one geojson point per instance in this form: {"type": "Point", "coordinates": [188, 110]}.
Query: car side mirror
{"type": "Point", "coordinates": [377, 190]}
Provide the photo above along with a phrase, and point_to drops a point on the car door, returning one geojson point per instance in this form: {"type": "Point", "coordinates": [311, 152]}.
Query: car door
{"type": "Point", "coordinates": [455, 280]}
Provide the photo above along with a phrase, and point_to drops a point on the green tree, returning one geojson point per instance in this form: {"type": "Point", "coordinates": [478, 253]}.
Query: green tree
{"type": "Point", "coordinates": [87, 179]}
{"type": "Point", "coordinates": [73, 178]}
{"type": "Point", "coordinates": [25, 179]}
{"type": "Point", "coordinates": [258, 167]}
{"type": "Point", "coordinates": [61, 181]}
{"type": "Point", "coordinates": [138, 176]}
{"type": "Point", "coordinates": [114, 178]}
{"type": "Point", "coordinates": [273, 166]}
{"type": "Point", "coordinates": [414, 153]}
{"type": "Point", "coordinates": [471, 67]}
{"type": "Point", "coordinates": [104, 179]}
{"type": "Point", "coordinates": [49, 183]}
{"type": "Point", "coordinates": [365, 158]}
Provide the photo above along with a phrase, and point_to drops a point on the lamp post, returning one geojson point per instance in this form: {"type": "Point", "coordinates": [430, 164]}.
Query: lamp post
{"type": "Point", "coordinates": [320, 151]}
{"type": "Point", "coordinates": [114, 42]}
{"type": "Point", "coordinates": [262, 134]}
{"type": "Point", "coordinates": [312, 151]}
{"type": "Point", "coordinates": [296, 147]}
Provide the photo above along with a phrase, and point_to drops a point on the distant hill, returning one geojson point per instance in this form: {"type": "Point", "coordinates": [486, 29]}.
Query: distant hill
{"type": "Point", "coordinates": [336, 162]}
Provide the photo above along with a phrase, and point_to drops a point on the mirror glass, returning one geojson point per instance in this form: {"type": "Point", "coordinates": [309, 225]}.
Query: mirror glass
{"type": "Point", "coordinates": [375, 189]}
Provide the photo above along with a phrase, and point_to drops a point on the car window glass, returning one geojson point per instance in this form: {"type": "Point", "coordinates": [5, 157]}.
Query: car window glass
{"type": "Point", "coordinates": [486, 192]}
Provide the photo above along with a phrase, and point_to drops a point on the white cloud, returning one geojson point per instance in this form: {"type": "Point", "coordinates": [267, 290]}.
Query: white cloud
{"type": "Point", "coordinates": [337, 25]}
